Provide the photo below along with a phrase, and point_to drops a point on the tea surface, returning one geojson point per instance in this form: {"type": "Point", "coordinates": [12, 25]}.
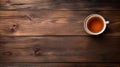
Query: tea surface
{"type": "Point", "coordinates": [95, 24]}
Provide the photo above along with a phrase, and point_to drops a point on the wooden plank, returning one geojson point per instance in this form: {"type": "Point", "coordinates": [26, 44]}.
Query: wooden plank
{"type": "Point", "coordinates": [53, 22]}
{"type": "Point", "coordinates": [60, 49]}
{"type": "Point", "coordinates": [60, 4]}
{"type": "Point", "coordinates": [59, 65]}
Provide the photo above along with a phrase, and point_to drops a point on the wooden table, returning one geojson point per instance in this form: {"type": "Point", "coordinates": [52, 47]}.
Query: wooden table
{"type": "Point", "coordinates": [50, 33]}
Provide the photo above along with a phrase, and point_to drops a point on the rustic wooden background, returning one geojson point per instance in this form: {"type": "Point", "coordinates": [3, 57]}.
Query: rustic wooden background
{"type": "Point", "coordinates": [50, 33]}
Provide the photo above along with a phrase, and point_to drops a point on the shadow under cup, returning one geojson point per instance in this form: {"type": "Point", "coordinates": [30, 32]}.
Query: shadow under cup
{"type": "Point", "coordinates": [94, 24]}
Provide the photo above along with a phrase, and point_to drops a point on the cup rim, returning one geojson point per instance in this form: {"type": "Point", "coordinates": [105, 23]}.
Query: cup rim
{"type": "Point", "coordinates": [89, 17]}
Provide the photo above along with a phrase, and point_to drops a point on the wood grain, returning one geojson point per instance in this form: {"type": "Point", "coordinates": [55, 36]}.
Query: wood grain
{"type": "Point", "coordinates": [60, 49]}
{"type": "Point", "coordinates": [50, 33]}
{"type": "Point", "coordinates": [59, 4]}
{"type": "Point", "coordinates": [53, 22]}
{"type": "Point", "coordinates": [60, 65]}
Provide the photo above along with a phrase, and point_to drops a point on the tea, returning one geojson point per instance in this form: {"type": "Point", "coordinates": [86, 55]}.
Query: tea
{"type": "Point", "coordinates": [95, 24]}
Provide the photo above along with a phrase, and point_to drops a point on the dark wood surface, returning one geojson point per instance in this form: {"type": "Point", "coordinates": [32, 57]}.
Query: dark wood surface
{"type": "Point", "coordinates": [50, 33]}
{"type": "Point", "coordinates": [60, 65]}
{"type": "Point", "coordinates": [52, 22]}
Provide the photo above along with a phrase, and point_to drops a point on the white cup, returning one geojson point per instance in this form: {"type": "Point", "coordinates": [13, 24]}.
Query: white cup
{"type": "Point", "coordinates": [91, 16]}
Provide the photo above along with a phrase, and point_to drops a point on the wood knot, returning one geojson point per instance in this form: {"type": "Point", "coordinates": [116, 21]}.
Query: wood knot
{"type": "Point", "coordinates": [14, 27]}
{"type": "Point", "coordinates": [37, 51]}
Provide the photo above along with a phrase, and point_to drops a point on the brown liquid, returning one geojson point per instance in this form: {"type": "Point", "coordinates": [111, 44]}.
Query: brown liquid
{"type": "Point", "coordinates": [95, 24]}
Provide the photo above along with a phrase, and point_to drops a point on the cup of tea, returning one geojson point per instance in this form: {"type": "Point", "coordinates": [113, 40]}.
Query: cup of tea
{"type": "Point", "coordinates": [95, 24]}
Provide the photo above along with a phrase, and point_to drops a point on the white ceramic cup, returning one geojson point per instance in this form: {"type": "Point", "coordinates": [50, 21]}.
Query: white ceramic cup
{"type": "Point", "coordinates": [91, 16]}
